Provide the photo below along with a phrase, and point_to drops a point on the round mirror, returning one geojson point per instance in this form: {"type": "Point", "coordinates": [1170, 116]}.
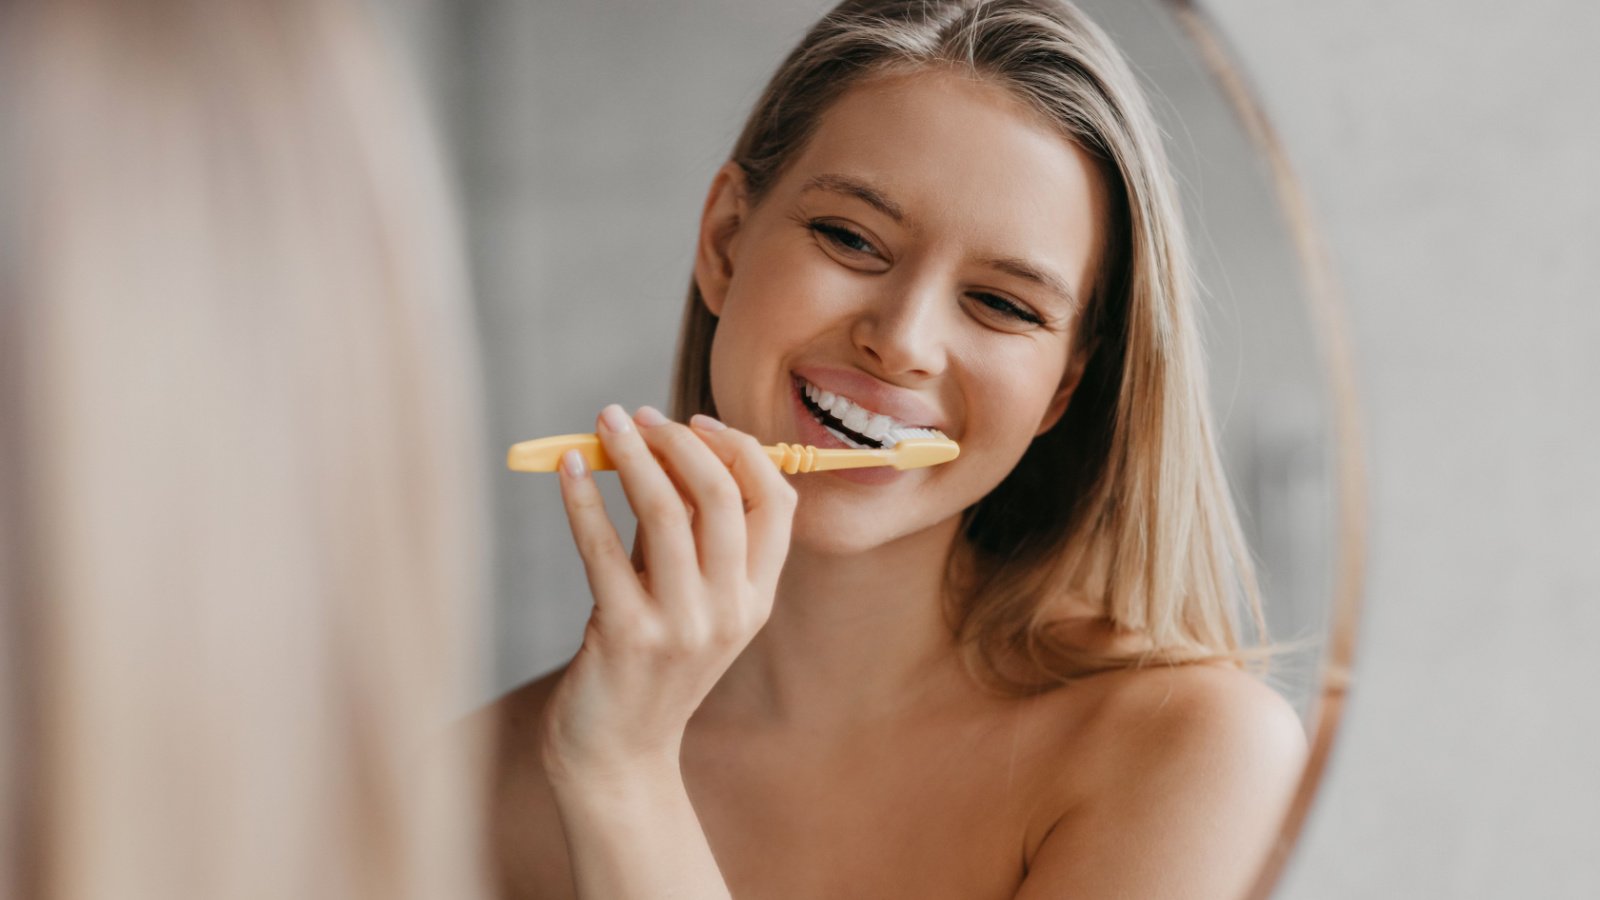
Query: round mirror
{"type": "Point", "coordinates": [587, 135]}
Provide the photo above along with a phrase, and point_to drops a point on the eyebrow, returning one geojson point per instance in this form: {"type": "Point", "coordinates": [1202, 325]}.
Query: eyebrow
{"type": "Point", "coordinates": [1011, 265]}
{"type": "Point", "coordinates": [1027, 271]}
{"type": "Point", "coordinates": [851, 187]}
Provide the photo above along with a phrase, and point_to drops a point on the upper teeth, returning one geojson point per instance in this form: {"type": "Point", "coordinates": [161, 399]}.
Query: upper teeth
{"type": "Point", "coordinates": [862, 421]}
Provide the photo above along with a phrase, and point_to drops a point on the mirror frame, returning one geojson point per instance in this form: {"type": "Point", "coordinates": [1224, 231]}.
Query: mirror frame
{"type": "Point", "coordinates": [1326, 309]}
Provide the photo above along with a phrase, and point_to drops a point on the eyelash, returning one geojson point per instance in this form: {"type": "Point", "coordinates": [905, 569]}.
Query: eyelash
{"type": "Point", "coordinates": [1008, 308]}
{"type": "Point", "coordinates": [841, 237]}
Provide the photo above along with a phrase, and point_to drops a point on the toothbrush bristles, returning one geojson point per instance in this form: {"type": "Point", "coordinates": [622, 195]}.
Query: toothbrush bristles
{"type": "Point", "coordinates": [910, 434]}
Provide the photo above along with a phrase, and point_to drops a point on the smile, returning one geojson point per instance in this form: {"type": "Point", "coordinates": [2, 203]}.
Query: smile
{"type": "Point", "coordinates": [854, 424]}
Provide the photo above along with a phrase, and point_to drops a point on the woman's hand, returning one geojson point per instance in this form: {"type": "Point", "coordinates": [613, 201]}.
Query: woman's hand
{"type": "Point", "coordinates": [714, 516]}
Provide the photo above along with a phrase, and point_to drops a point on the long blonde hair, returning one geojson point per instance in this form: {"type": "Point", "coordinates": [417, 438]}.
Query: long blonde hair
{"type": "Point", "coordinates": [236, 489]}
{"type": "Point", "coordinates": [1123, 503]}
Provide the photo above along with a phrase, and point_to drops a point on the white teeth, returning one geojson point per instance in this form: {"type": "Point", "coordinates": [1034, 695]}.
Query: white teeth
{"type": "Point", "coordinates": [855, 419]}
{"type": "Point", "coordinates": [876, 426]}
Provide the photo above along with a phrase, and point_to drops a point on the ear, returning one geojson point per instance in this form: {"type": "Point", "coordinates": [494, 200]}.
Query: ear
{"type": "Point", "coordinates": [1069, 385]}
{"type": "Point", "coordinates": [724, 213]}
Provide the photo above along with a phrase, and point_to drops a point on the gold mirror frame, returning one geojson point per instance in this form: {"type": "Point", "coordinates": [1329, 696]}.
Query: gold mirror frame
{"type": "Point", "coordinates": [1326, 310]}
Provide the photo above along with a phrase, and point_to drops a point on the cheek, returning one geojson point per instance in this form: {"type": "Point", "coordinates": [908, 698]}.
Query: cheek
{"type": "Point", "coordinates": [1012, 399]}
{"type": "Point", "coordinates": [791, 285]}
{"type": "Point", "coordinates": [771, 311]}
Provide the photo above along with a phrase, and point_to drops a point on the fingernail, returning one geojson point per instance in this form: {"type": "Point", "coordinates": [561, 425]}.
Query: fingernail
{"type": "Point", "coordinates": [615, 419]}
{"type": "Point", "coordinates": [572, 462]}
{"type": "Point", "coordinates": [706, 423]}
{"type": "Point", "coordinates": [649, 417]}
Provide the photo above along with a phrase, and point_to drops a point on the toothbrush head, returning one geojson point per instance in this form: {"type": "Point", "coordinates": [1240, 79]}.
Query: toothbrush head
{"type": "Point", "coordinates": [915, 453]}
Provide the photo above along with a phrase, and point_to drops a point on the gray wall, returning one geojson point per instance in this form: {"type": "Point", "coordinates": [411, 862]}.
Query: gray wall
{"type": "Point", "coordinates": [588, 134]}
{"type": "Point", "coordinates": [1449, 152]}
{"type": "Point", "coordinates": [1450, 149]}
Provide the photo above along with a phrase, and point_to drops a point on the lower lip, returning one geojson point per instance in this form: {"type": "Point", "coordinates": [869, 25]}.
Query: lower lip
{"type": "Point", "coordinates": [812, 432]}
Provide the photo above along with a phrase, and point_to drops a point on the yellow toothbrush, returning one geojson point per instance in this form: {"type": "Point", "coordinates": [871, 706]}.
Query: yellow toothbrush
{"type": "Point", "coordinates": [544, 455]}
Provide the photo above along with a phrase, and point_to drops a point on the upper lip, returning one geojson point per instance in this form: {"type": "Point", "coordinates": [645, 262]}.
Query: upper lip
{"type": "Point", "coordinates": [869, 393]}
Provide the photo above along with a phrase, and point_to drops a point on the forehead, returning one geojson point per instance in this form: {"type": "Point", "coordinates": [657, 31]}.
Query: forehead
{"type": "Point", "coordinates": [967, 162]}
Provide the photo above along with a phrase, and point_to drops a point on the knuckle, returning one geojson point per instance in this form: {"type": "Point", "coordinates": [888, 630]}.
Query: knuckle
{"type": "Point", "coordinates": [594, 546]}
{"type": "Point", "coordinates": [624, 445]}
{"type": "Point", "coordinates": [758, 619]}
{"type": "Point", "coordinates": [760, 609]}
{"type": "Point", "coordinates": [640, 636]}
{"type": "Point", "coordinates": [673, 435]}
{"type": "Point", "coordinates": [733, 630]}
{"type": "Point", "coordinates": [785, 494]}
{"type": "Point", "coordinates": [695, 634]}
{"type": "Point", "coordinates": [755, 610]}
{"type": "Point", "coordinates": [664, 511]}
{"type": "Point", "coordinates": [723, 492]}
{"type": "Point", "coordinates": [587, 501]}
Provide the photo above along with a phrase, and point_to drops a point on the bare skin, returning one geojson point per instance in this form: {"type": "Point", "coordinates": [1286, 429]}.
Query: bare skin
{"type": "Point", "coordinates": [1140, 784]}
{"type": "Point", "coordinates": [791, 719]}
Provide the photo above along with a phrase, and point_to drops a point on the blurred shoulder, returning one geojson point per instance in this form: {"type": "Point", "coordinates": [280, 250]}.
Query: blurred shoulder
{"type": "Point", "coordinates": [517, 715]}
{"type": "Point", "coordinates": [528, 849]}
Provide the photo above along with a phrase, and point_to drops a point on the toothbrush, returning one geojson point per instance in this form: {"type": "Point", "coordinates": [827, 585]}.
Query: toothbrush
{"type": "Point", "coordinates": [544, 454]}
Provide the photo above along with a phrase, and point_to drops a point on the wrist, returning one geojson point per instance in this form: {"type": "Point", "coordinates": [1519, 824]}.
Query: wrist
{"type": "Point", "coordinates": [618, 798]}
{"type": "Point", "coordinates": [576, 773]}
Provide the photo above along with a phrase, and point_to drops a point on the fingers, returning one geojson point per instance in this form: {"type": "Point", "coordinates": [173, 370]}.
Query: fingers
{"type": "Point", "coordinates": [706, 485]}
{"type": "Point", "coordinates": [610, 574]}
{"type": "Point", "coordinates": [742, 506]}
{"type": "Point", "coordinates": [769, 499]}
{"type": "Point", "coordinates": [669, 552]}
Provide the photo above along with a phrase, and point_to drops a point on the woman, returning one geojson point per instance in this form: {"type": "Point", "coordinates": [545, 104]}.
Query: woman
{"type": "Point", "coordinates": [239, 524]}
{"type": "Point", "coordinates": [1014, 675]}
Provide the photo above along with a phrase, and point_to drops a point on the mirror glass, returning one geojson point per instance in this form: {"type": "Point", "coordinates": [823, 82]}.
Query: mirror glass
{"type": "Point", "coordinates": [586, 135]}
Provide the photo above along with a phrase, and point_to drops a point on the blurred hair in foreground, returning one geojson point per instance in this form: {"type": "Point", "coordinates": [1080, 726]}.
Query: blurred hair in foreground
{"type": "Point", "coordinates": [239, 528]}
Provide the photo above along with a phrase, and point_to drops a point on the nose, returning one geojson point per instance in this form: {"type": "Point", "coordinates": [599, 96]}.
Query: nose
{"type": "Point", "coordinates": [903, 329]}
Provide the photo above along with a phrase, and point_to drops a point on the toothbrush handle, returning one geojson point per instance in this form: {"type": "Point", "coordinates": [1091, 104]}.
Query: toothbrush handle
{"type": "Point", "coordinates": [544, 455]}
{"type": "Point", "coordinates": [796, 459]}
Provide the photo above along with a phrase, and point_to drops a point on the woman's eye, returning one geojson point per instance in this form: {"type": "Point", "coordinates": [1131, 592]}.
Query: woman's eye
{"type": "Point", "coordinates": [1006, 308]}
{"type": "Point", "coordinates": [843, 238]}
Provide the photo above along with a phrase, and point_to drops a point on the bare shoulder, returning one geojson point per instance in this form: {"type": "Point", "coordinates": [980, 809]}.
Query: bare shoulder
{"type": "Point", "coordinates": [1173, 784]}
{"type": "Point", "coordinates": [528, 850]}
{"type": "Point", "coordinates": [1201, 716]}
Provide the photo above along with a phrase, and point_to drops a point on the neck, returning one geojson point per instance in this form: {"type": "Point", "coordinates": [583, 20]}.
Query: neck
{"type": "Point", "coordinates": [853, 639]}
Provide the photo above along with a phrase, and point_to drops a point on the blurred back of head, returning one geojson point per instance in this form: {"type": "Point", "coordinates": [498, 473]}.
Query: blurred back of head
{"type": "Point", "coordinates": [238, 520]}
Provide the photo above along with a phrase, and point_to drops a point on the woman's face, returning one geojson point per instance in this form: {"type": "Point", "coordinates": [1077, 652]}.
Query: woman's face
{"type": "Point", "coordinates": [926, 258]}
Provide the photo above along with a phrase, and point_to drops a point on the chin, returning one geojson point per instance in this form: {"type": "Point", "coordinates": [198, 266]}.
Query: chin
{"type": "Point", "coordinates": [838, 529]}
{"type": "Point", "coordinates": [825, 526]}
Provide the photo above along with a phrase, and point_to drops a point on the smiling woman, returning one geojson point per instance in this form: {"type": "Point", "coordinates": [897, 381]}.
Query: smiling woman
{"type": "Point", "coordinates": [1024, 673]}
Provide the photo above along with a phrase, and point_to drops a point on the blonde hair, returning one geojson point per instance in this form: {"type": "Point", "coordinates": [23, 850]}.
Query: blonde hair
{"type": "Point", "coordinates": [236, 467]}
{"type": "Point", "coordinates": [1123, 503]}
